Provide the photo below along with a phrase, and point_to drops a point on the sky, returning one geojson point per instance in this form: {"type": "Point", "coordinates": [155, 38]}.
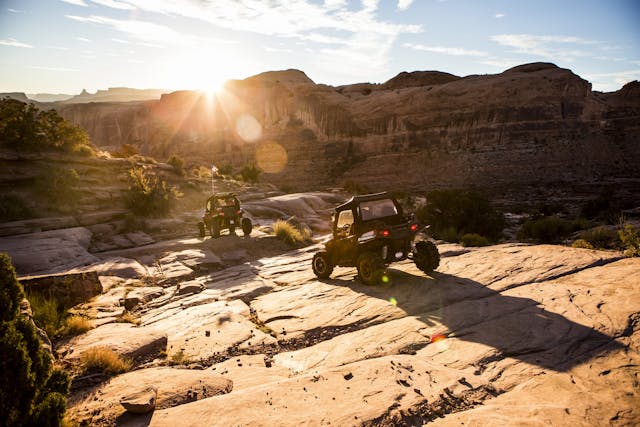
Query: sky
{"type": "Point", "coordinates": [64, 46]}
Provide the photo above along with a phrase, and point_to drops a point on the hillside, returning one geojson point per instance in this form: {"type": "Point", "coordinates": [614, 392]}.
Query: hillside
{"type": "Point", "coordinates": [533, 132]}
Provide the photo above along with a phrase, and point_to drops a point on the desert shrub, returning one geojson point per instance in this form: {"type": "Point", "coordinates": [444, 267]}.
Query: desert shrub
{"type": "Point", "coordinates": [128, 317]}
{"type": "Point", "coordinates": [125, 151]}
{"type": "Point", "coordinates": [630, 239]}
{"type": "Point", "coordinates": [180, 358]}
{"type": "Point", "coordinates": [76, 325]}
{"type": "Point", "coordinates": [606, 207]}
{"type": "Point", "coordinates": [103, 359]}
{"type": "Point", "coordinates": [13, 208]}
{"type": "Point", "coordinates": [287, 232]}
{"type": "Point", "coordinates": [601, 237]}
{"type": "Point", "coordinates": [250, 173]}
{"type": "Point", "coordinates": [547, 229]}
{"type": "Point", "coordinates": [463, 211]}
{"type": "Point", "coordinates": [25, 127]}
{"type": "Point", "coordinates": [226, 169]}
{"type": "Point", "coordinates": [473, 239]}
{"type": "Point", "coordinates": [149, 195]}
{"type": "Point", "coordinates": [177, 163]}
{"type": "Point", "coordinates": [581, 243]}
{"type": "Point", "coordinates": [32, 393]}
{"type": "Point", "coordinates": [48, 313]}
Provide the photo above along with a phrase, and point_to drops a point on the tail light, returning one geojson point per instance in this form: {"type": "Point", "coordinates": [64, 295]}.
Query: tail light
{"type": "Point", "coordinates": [383, 233]}
{"type": "Point", "coordinates": [414, 227]}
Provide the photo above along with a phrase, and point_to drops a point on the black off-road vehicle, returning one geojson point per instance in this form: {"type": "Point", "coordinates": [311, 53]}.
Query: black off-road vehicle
{"type": "Point", "coordinates": [370, 232]}
{"type": "Point", "coordinates": [223, 211]}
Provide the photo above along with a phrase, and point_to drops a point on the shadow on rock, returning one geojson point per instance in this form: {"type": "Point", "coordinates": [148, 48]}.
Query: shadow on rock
{"type": "Point", "coordinates": [516, 327]}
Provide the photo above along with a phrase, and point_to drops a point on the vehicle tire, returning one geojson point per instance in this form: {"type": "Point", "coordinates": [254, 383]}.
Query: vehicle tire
{"type": "Point", "coordinates": [201, 230]}
{"type": "Point", "coordinates": [370, 268]}
{"type": "Point", "coordinates": [232, 229]}
{"type": "Point", "coordinates": [321, 264]}
{"type": "Point", "coordinates": [247, 226]}
{"type": "Point", "coordinates": [215, 229]}
{"type": "Point", "coordinates": [426, 257]}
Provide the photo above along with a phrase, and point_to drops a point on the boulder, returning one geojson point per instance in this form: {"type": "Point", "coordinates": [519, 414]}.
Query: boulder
{"type": "Point", "coordinates": [140, 402]}
{"type": "Point", "coordinates": [71, 289]}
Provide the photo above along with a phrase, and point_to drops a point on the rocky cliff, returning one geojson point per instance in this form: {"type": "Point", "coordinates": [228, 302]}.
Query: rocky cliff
{"type": "Point", "coordinates": [529, 132]}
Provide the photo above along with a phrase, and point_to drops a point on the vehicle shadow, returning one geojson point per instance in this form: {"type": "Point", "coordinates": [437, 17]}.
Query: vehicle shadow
{"type": "Point", "coordinates": [516, 327]}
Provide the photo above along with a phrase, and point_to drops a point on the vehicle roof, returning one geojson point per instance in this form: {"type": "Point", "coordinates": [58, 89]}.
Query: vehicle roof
{"type": "Point", "coordinates": [356, 200]}
{"type": "Point", "coordinates": [222, 195]}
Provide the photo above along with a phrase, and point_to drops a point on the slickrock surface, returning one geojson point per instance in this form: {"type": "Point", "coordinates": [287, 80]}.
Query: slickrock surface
{"type": "Point", "coordinates": [511, 334]}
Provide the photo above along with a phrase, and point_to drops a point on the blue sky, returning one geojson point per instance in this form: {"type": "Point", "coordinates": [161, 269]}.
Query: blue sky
{"type": "Point", "coordinates": [63, 46]}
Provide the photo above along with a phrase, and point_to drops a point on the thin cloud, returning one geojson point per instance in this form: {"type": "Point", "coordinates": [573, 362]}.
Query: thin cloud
{"type": "Point", "coordinates": [37, 67]}
{"type": "Point", "coordinates": [15, 10]}
{"type": "Point", "coordinates": [120, 41]}
{"type": "Point", "coordinates": [455, 51]}
{"type": "Point", "coordinates": [277, 50]}
{"type": "Point", "coordinates": [499, 15]}
{"type": "Point", "coordinates": [114, 4]}
{"type": "Point", "coordinates": [76, 2]}
{"type": "Point", "coordinates": [57, 47]}
{"type": "Point", "coordinates": [608, 82]}
{"type": "Point", "coordinates": [83, 39]}
{"type": "Point", "coordinates": [15, 43]}
{"type": "Point", "coordinates": [547, 46]}
{"type": "Point", "coordinates": [404, 4]}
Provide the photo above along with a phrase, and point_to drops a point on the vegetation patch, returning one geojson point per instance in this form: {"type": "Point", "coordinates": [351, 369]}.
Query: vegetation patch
{"type": "Point", "coordinates": [103, 359]}
{"type": "Point", "coordinates": [601, 237]}
{"type": "Point", "coordinates": [250, 173]}
{"type": "Point", "coordinates": [288, 232]}
{"type": "Point", "coordinates": [32, 392]}
{"type": "Point", "coordinates": [630, 239]}
{"type": "Point", "coordinates": [180, 358]}
{"type": "Point", "coordinates": [547, 229]}
{"type": "Point", "coordinates": [473, 239]}
{"type": "Point", "coordinates": [24, 127]}
{"type": "Point", "coordinates": [148, 194]}
{"type": "Point", "coordinates": [454, 213]}
{"type": "Point", "coordinates": [77, 325]}
{"type": "Point", "coordinates": [13, 208]}
{"type": "Point", "coordinates": [177, 163]}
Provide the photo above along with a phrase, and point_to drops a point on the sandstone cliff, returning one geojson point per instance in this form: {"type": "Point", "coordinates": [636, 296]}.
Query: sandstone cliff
{"type": "Point", "coordinates": [531, 131]}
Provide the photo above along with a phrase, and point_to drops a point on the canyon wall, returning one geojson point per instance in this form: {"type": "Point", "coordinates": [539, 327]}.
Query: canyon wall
{"type": "Point", "coordinates": [530, 132]}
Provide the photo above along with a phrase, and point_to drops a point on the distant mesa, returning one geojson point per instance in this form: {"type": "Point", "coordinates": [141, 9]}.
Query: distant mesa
{"type": "Point", "coordinates": [49, 97]}
{"type": "Point", "coordinates": [20, 96]}
{"type": "Point", "coordinates": [290, 76]}
{"type": "Point", "coordinates": [532, 68]}
{"type": "Point", "coordinates": [117, 94]}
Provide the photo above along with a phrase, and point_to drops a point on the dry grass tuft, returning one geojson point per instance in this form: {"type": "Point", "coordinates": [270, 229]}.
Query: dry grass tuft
{"type": "Point", "coordinates": [103, 359]}
{"type": "Point", "coordinates": [128, 317]}
{"type": "Point", "coordinates": [287, 232]}
{"type": "Point", "coordinates": [76, 325]}
{"type": "Point", "coordinates": [180, 358]}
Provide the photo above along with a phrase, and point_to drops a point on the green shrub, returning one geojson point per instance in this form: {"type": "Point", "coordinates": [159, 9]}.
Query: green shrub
{"type": "Point", "coordinates": [601, 237]}
{"type": "Point", "coordinates": [177, 163]}
{"type": "Point", "coordinates": [463, 211]}
{"type": "Point", "coordinates": [250, 173]}
{"type": "Point", "coordinates": [582, 244]}
{"type": "Point", "coordinates": [48, 313]}
{"type": "Point", "coordinates": [149, 195]}
{"type": "Point", "coordinates": [548, 229]}
{"type": "Point", "coordinates": [32, 393]}
{"type": "Point", "coordinates": [287, 232]}
{"type": "Point", "coordinates": [630, 238]}
{"type": "Point", "coordinates": [473, 239]}
{"type": "Point", "coordinates": [226, 169]}
{"type": "Point", "coordinates": [25, 127]}
{"type": "Point", "coordinates": [13, 208]}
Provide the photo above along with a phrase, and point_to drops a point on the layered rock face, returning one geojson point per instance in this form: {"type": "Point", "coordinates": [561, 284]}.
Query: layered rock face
{"type": "Point", "coordinates": [521, 134]}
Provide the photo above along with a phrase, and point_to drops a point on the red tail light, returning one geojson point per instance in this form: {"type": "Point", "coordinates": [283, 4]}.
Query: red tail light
{"type": "Point", "coordinates": [384, 233]}
{"type": "Point", "coordinates": [414, 227]}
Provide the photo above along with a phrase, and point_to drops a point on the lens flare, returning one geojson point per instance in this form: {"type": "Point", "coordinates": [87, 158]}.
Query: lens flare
{"type": "Point", "coordinates": [437, 337]}
{"type": "Point", "coordinates": [271, 157]}
{"type": "Point", "coordinates": [393, 301]}
{"type": "Point", "coordinates": [385, 279]}
{"type": "Point", "coordinates": [248, 128]}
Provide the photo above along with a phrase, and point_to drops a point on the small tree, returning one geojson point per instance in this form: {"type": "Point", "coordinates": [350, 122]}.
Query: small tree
{"type": "Point", "coordinates": [177, 163]}
{"type": "Point", "coordinates": [457, 212]}
{"type": "Point", "coordinates": [32, 393]}
{"type": "Point", "coordinates": [148, 194]}
{"type": "Point", "coordinates": [250, 173]}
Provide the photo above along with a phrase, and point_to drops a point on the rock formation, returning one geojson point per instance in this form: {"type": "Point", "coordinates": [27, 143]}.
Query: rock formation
{"type": "Point", "coordinates": [531, 132]}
